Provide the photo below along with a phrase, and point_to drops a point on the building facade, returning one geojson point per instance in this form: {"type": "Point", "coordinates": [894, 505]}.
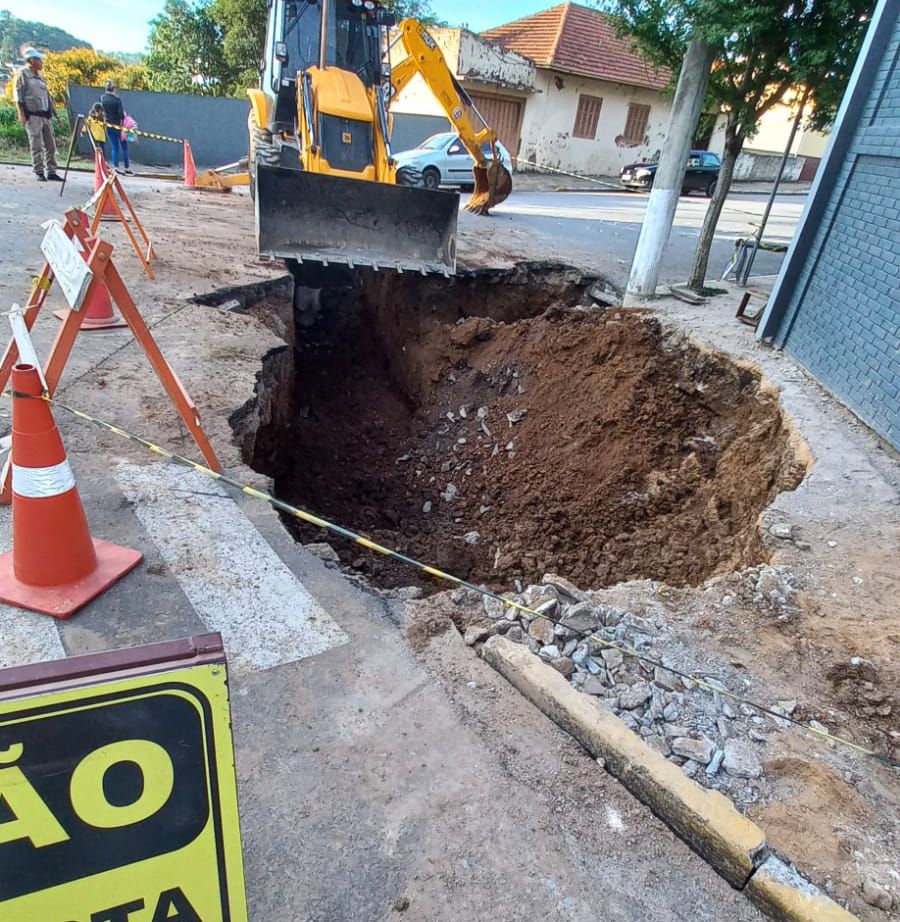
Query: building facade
{"type": "Point", "coordinates": [598, 104]}
{"type": "Point", "coordinates": [836, 303]}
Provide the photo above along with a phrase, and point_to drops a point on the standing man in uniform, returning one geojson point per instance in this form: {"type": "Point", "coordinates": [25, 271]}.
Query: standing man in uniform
{"type": "Point", "coordinates": [36, 109]}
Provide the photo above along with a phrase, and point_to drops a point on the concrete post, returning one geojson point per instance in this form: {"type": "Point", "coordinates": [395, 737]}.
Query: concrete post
{"type": "Point", "coordinates": [686, 107]}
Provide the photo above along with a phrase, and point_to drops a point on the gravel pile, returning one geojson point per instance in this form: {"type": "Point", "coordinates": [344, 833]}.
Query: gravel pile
{"type": "Point", "coordinates": [718, 742]}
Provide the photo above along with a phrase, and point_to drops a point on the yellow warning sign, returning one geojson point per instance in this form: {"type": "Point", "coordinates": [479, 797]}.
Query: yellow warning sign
{"type": "Point", "coordinates": [118, 800]}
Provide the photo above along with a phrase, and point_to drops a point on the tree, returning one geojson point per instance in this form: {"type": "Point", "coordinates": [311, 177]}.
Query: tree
{"type": "Point", "coordinates": [243, 23]}
{"type": "Point", "coordinates": [185, 51]}
{"type": "Point", "coordinates": [87, 67]}
{"type": "Point", "coordinates": [765, 50]}
{"type": "Point", "coordinates": [15, 33]}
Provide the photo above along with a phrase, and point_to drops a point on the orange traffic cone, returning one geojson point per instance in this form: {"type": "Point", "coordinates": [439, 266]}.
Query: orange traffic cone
{"type": "Point", "coordinates": [98, 313]}
{"type": "Point", "coordinates": [101, 172]}
{"type": "Point", "coordinates": [190, 171]}
{"type": "Point", "coordinates": [54, 567]}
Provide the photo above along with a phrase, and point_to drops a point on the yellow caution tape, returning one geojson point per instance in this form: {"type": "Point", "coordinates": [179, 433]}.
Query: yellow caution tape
{"type": "Point", "coordinates": [144, 134]}
{"type": "Point", "coordinates": [362, 541]}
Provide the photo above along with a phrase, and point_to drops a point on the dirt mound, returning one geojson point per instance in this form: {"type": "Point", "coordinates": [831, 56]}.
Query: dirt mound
{"type": "Point", "coordinates": [500, 431]}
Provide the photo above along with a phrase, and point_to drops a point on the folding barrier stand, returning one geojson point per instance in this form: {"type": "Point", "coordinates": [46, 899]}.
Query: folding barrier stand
{"type": "Point", "coordinates": [101, 270]}
{"type": "Point", "coordinates": [107, 206]}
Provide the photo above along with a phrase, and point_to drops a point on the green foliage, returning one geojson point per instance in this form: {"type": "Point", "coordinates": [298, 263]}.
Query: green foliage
{"type": "Point", "coordinates": [767, 52]}
{"type": "Point", "coordinates": [185, 51]}
{"type": "Point", "coordinates": [16, 33]}
{"type": "Point", "coordinates": [243, 24]}
{"type": "Point", "coordinates": [87, 67]}
{"type": "Point", "coordinates": [12, 131]}
{"type": "Point", "coordinates": [215, 46]}
{"type": "Point", "coordinates": [765, 49]}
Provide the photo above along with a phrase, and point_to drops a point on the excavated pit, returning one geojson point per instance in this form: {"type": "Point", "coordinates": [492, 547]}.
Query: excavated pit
{"type": "Point", "coordinates": [504, 424]}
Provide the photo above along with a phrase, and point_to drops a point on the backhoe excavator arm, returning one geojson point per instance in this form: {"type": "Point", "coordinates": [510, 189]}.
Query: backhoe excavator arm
{"type": "Point", "coordinates": [492, 180]}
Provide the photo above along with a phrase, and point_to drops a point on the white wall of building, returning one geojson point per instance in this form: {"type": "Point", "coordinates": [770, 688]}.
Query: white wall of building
{"type": "Point", "coordinates": [550, 117]}
{"type": "Point", "coordinates": [484, 62]}
{"type": "Point", "coordinates": [774, 129]}
{"type": "Point", "coordinates": [480, 65]}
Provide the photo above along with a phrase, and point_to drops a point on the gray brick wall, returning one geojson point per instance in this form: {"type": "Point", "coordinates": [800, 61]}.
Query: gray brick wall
{"type": "Point", "coordinates": [843, 318]}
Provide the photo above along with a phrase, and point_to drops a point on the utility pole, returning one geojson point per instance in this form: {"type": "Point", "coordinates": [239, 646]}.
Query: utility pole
{"type": "Point", "coordinates": [686, 107]}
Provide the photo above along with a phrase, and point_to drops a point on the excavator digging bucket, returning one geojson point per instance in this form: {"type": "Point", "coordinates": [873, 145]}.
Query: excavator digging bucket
{"type": "Point", "coordinates": [330, 219]}
{"type": "Point", "coordinates": [492, 186]}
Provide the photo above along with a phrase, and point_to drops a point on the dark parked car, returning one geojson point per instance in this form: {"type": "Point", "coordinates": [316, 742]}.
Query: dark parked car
{"type": "Point", "coordinates": [701, 176]}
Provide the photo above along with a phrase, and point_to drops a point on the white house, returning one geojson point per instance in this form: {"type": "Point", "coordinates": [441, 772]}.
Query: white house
{"type": "Point", "coordinates": [560, 88]}
{"type": "Point", "coordinates": [598, 103]}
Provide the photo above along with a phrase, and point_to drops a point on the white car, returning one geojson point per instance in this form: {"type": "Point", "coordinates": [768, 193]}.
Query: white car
{"type": "Point", "coordinates": [444, 161]}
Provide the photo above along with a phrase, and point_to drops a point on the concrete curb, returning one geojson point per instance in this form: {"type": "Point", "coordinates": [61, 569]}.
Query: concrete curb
{"type": "Point", "coordinates": [706, 820]}
{"type": "Point", "coordinates": [779, 891]}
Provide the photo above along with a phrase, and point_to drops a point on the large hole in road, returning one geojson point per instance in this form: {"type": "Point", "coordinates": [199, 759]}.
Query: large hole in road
{"type": "Point", "coordinates": [503, 424]}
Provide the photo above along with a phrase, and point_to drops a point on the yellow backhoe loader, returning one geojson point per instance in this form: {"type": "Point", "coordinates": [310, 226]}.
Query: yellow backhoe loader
{"type": "Point", "coordinates": [325, 184]}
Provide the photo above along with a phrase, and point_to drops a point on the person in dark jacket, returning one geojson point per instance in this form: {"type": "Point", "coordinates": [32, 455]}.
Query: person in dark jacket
{"type": "Point", "coordinates": [114, 112]}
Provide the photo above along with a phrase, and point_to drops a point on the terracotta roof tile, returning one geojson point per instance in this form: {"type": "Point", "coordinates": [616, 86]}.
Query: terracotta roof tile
{"type": "Point", "coordinates": [578, 40]}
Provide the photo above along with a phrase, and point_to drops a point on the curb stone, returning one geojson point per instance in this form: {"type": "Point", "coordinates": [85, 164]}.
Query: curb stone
{"type": "Point", "coordinates": [781, 892]}
{"type": "Point", "coordinates": [706, 820]}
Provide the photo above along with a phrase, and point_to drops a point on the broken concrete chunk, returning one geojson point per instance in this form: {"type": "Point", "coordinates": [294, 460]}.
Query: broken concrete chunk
{"type": "Point", "coordinates": [476, 633]}
{"type": "Point", "coordinates": [541, 630]}
{"type": "Point", "coordinates": [612, 658]}
{"type": "Point", "coordinates": [472, 537]}
{"type": "Point", "coordinates": [699, 751]}
{"type": "Point", "coordinates": [516, 417]}
{"type": "Point", "coordinates": [323, 550]}
{"type": "Point", "coordinates": [593, 685]}
{"type": "Point", "coordinates": [581, 617]}
{"type": "Point", "coordinates": [548, 608]}
{"type": "Point", "coordinates": [494, 608]}
{"type": "Point", "coordinates": [781, 530]}
{"type": "Point", "coordinates": [563, 665]}
{"type": "Point", "coordinates": [741, 760]}
{"type": "Point", "coordinates": [635, 696]}
{"type": "Point", "coordinates": [516, 634]}
{"type": "Point", "coordinates": [449, 493]}
{"type": "Point", "coordinates": [715, 763]}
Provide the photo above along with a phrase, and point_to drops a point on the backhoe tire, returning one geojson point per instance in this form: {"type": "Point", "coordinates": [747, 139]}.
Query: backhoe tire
{"type": "Point", "coordinates": [261, 150]}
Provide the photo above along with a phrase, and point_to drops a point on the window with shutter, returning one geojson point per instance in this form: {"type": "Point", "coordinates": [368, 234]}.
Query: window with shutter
{"type": "Point", "coordinates": [636, 124]}
{"type": "Point", "coordinates": [587, 116]}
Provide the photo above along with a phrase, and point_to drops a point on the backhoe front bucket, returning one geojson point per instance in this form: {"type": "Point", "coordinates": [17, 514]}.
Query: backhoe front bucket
{"type": "Point", "coordinates": [492, 186]}
{"type": "Point", "coordinates": [330, 219]}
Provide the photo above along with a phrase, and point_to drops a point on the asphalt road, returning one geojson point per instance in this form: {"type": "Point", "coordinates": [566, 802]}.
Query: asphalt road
{"type": "Point", "coordinates": [601, 229]}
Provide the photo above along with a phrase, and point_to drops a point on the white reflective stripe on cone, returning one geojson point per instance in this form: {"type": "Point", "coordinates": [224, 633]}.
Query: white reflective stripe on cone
{"type": "Point", "coordinates": [41, 482]}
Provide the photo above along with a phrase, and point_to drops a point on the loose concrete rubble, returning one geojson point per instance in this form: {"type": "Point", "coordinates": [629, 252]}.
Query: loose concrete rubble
{"type": "Point", "coordinates": [718, 742]}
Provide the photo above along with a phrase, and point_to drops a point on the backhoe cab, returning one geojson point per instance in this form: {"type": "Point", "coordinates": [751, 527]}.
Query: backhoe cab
{"type": "Point", "coordinates": [326, 186]}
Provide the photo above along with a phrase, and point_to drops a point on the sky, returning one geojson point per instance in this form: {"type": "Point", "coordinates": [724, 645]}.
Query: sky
{"type": "Point", "coordinates": [122, 25]}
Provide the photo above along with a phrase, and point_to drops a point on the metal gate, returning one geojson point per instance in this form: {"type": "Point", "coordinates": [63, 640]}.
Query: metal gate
{"type": "Point", "coordinates": [504, 115]}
